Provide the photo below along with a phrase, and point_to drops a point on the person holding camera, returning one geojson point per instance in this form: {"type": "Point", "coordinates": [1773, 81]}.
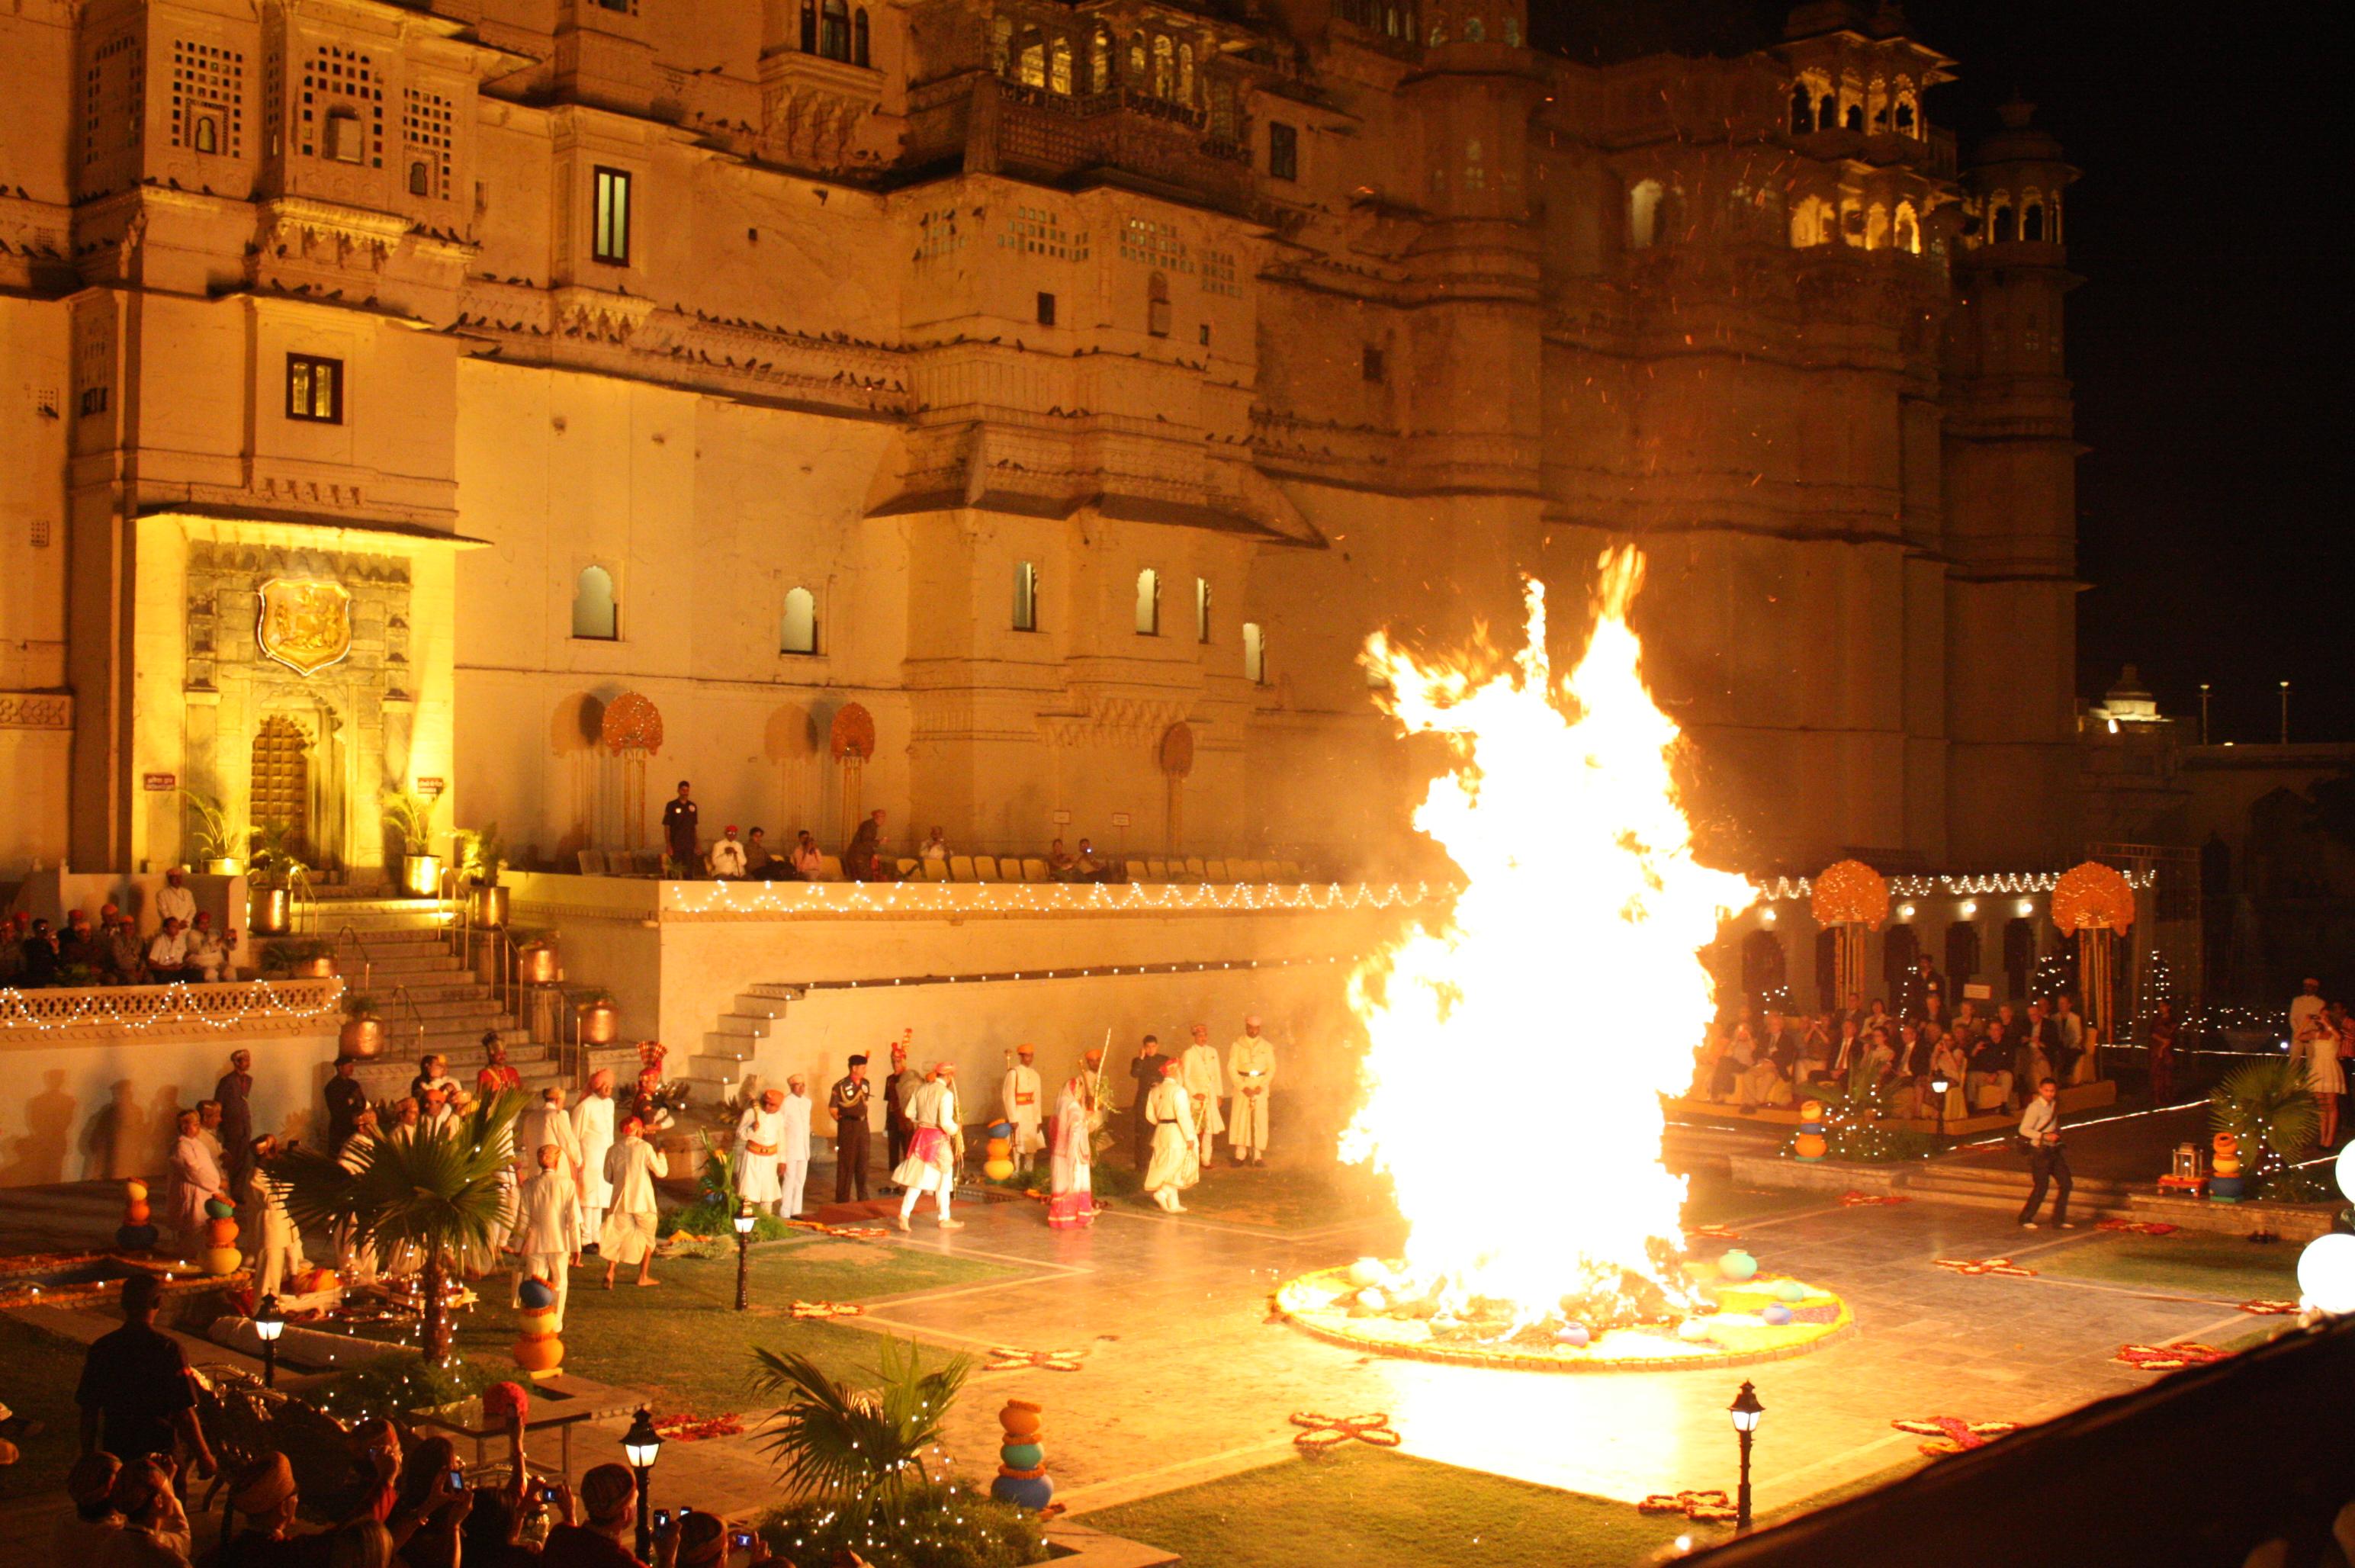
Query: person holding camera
{"type": "Point", "coordinates": [2048, 1163]}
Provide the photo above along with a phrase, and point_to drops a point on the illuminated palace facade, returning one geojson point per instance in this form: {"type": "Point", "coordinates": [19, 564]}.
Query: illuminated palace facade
{"type": "Point", "coordinates": [1069, 385]}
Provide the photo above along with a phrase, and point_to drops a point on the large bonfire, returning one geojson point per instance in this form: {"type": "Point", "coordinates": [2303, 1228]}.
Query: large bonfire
{"type": "Point", "coordinates": [1518, 1049]}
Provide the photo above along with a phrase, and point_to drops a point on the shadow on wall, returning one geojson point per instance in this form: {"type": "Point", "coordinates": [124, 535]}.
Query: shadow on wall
{"type": "Point", "coordinates": [37, 1158]}
{"type": "Point", "coordinates": [576, 737]}
{"type": "Point", "coordinates": [120, 1139]}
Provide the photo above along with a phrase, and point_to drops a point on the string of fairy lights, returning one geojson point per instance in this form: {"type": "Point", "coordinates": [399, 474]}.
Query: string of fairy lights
{"type": "Point", "coordinates": [721, 899]}
{"type": "Point", "coordinates": [1073, 972]}
{"type": "Point", "coordinates": [217, 1006]}
{"type": "Point", "coordinates": [1782, 890]}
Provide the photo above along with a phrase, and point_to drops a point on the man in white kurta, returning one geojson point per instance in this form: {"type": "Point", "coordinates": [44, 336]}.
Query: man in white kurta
{"type": "Point", "coordinates": [281, 1257]}
{"type": "Point", "coordinates": [1019, 1097]}
{"type": "Point", "coordinates": [174, 900]}
{"type": "Point", "coordinates": [627, 1235]}
{"type": "Point", "coordinates": [593, 1130]}
{"type": "Point", "coordinates": [759, 1135]}
{"type": "Point", "coordinates": [794, 1146]}
{"type": "Point", "coordinates": [1174, 1165]}
{"type": "Point", "coordinates": [1250, 1067]}
{"type": "Point", "coordinates": [196, 1182]}
{"type": "Point", "coordinates": [550, 1123]}
{"type": "Point", "coordinates": [1205, 1085]}
{"type": "Point", "coordinates": [547, 1241]}
{"type": "Point", "coordinates": [931, 1165]}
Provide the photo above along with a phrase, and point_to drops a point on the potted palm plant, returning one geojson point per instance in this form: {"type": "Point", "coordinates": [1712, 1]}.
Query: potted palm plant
{"type": "Point", "coordinates": [436, 1191]}
{"type": "Point", "coordinates": [278, 871]}
{"type": "Point", "coordinates": [600, 1022]}
{"type": "Point", "coordinates": [408, 818]}
{"type": "Point", "coordinates": [363, 1033]}
{"type": "Point", "coordinates": [2267, 1105]}
{"type": "Point", "coordinates": [213, 842]}
{"type": "Point", "coordinates": [482, 856]}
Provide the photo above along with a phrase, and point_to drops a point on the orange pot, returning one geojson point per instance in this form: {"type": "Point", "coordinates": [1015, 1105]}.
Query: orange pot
{"type": "Point", "coordinates": [220, 1233]}
{"type": "Point", "coordinates": [1020, 1418]}
{"type": "Point", "coordinates": [541, 1354]}
{"type": "Point", "coordinates": [135, 1212]}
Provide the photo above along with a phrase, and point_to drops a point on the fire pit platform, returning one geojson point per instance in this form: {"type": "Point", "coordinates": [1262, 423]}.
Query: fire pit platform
{"type": "Point", "coordinates": [1327, 1305]}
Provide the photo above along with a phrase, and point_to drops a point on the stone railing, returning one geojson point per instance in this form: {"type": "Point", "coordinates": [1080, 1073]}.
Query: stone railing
{"type": "Point", "coordinates": [176, 1011]}
{"type": "Point", "coordinates": [540, 896]}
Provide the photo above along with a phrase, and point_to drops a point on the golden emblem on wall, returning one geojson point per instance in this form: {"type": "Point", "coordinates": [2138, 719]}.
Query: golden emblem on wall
{"type": "Point", "coordinates": [304, 624]}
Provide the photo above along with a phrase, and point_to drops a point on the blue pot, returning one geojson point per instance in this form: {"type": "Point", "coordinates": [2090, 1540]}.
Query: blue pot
{"type": "Point", "coordinates": [1032, 1492]}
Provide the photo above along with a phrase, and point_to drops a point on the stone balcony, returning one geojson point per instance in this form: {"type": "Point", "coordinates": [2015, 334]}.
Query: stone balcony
{"type": "Point", "coordinates": [176, 1011]}
{"type": "Point", "coordinates": [1053, 136]}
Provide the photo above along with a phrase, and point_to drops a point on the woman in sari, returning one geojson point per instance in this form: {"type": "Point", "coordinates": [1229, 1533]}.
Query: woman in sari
{"type": "Point", "coordinates": [2162, 1030]}
{"type": "Point", "coordinates": [1072, 1201]}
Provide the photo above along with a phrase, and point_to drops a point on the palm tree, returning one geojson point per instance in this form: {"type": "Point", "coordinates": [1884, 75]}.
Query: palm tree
{"type": "Point", "coordinates": [858, 1449]}
{"type": "Point", "coordinates": [437, 1190]}
{"type": "Point", "coordinates": [2267, 1105]}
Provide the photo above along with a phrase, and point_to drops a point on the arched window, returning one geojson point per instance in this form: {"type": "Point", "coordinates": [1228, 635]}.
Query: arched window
{"type": "Point", "coordinates": [1033, 71]}
{"type": "Point", "coordinates": [1001, 45]}
{"type": "Point", "coordinates": [1826, 112]}
{"type": "Point", "coordinates": [1025, 596]}
{"type": "Point", "coordinates": [809, 27]}
{"type": "Point", "coordinates": [2053, 219]}
{"type": "Point", "coordinates": [1763, 977]}
{"type": "Point", "coordinates": [208, 137]}
{"type": "Point", "coordinates": [596, 613]}
{"type": "Point", "coordinates": [1476, 173]}
{"type": "Point", "coordinates": [858, 37]}
{"type": "Point", "coordinates": [1157, 305]}
{"type": "Point", "coordinates": [1438, 34]}
{"type": "Point", "coordinates": [2003, 228]}
{"type": "Point", "coordinates": [834, 29]}
{"type": "Point", "coordinates": [1136, 61]}
{"type": "Point", "coordinates": [2018, 956]}
{"type": "Point", "coordinates": [1100, 61]}
{"type": "Point", "coordinates": [1202, 609]}
{"type": "Point", "coordinates": [1901, 948]}
{"type": "Point", "coordinates": [1854, 118]}
{"type": "Point", "coordinates": [1148, 603]}
{"type": "Point", "coordinates": [1803, 111]}
{"type": "Point", "coordinates": [1808, 223]}
{"type": "Point", "coordinates": [1875, 227]}
{"type": "Point", "coordinates": [2031, 221]}
{"type": "Point", "coordinates": [1186, 74]}
{"type": "Point", "coordinates": [1907, 234]}
{"type": "Point", "coordinates": [1962, 955]}
{"type": "Point", "coordinates": [1254, 654]}
{"type": "Point", "coordinates": [1905, 117]}
{"type": "Point", "coordinates": [797, 628]}
{"type": "Point", "coordinates": [1058, 67]}
{"type": "Point", "coordinates": [1225, 123]}
{"type": "Point", "coordinates": [1828, 995]}
{"type": "Point", "coordinates": [416, 179]}
{"type": "Point", "coordinates": [1165, 66]}
{"type": "Point", "coordinates": [1643, 214]}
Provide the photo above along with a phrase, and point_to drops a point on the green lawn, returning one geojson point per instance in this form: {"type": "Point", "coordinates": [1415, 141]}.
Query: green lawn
{"type": "Point", "coordinates": [2189, 1263]}
{"type": "Point", "coordinates": [1714, 1200]}
{"type": "Point", "coordinates": [684, 1337]}
{"type": "Point", "coordinates": [39, 1386]}
{"type": "Point", "coordinates": [1280, 1198]}
{"type": "Point", "coordinates": [1376, 1509]}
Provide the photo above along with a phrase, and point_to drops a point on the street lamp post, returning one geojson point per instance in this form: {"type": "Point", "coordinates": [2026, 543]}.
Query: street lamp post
{"type": "Point", "coordinates": [268, 1324]}
{"type": "Point", "coordinates": [743, 1249]}
{"type": "Point", "coordinates": [1746, 1412]}
{"type": "Point", "coordinates": [641, 1444]}
{"type": "Point", "coordinates": [2285, 727]}
{"type": "Point", "coordinates": [1938, 1086]}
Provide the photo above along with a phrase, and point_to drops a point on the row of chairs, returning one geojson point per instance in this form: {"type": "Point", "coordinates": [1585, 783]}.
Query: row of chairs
{"type": "Point", "coordinates": [984, 868]}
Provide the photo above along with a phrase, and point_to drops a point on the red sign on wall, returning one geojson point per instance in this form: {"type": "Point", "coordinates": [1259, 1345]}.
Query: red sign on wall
{"type": "Point", "coordinates": [160, 780]}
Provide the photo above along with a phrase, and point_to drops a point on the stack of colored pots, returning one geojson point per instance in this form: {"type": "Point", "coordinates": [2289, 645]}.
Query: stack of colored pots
{"type": "Point", "coordinates": [1000, 1164]}
{"type": "Point", "coordinates": [1022, 1477]}
{"type": "Point", "coordinates": [1810, 1144]}
{"type": "Point", "coordinates": [221, 1255]}
{"type": "Point", "coordinates": [137, 1232]}
{"type": "Point", "coordinates": [539, 1350]}
{"type": "Point", "coordinates": [2225, 1183]}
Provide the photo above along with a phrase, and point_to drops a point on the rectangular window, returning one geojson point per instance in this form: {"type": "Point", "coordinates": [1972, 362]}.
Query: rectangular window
{"type": "Point", "coordinates": [1026, 597]}
{"type": "Point", "coordinates": [1046, 308]}
{"type": "Point", "coordinates": [1254, 654]}
{"type": "Point", "coordinates": [1373, 367]}
{"type": "Point", "coordinates": [1283, 151]}
{"type": "Point", "coordinates": [1202, 609]}
{"type": "Point", "coordinates": [612, 237]}
{"type": "Point", "coordinates": [93, 399]}
{"type": "Point", "coordinates": [314, 388]}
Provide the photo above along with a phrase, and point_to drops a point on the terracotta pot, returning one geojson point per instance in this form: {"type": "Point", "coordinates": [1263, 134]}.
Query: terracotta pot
{"type": "Point", "coordinates": [420, 876]}
{"type": "Point", "coordinates": [1020, 1418]}
{"type": "Point", "coordinates": [361, 1037]}
{"type": "Point", "coordinates": [538, 1355]}
{"type": "Point", "coordinates": [136, 1211]}
{"type": "Point", "coordinates": [220, 1233]}
{"type": "Point", "coordinates": [600, 1024]}
{"type": "Point", "coordinates": [537, 964]}
{"type": "Point", "coordinates": [491, 904]}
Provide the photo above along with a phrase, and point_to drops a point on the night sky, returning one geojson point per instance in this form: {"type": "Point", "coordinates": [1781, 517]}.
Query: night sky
{"type": "Point", "coordinates": [2213, 503]}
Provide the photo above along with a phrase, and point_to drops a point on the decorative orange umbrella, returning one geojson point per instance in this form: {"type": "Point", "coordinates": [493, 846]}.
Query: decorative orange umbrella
{"type": "Point", "coordinates": [1850, 898]}
{"type": "Point", "coordinates": [2094, 903]}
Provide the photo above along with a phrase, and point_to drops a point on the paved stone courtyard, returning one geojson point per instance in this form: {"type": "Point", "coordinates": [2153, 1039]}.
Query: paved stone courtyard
{"type": "Point", "coordinates": [1185, 1376]}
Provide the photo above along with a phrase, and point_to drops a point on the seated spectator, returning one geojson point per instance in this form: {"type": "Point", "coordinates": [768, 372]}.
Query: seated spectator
{"type": "Point", "coordinates": [936, 848]}
{"type": "Point", "coordinates": [725, 859]}
{"type": "Point", "coordinates": [1848, 1047]}
{"type": "Point", "coordinates": [1709, 1061]}
{"type": "Point", "coordinates": [809, 860]}
{"type": "Point", "coordinates": [207, 953]}
{"type": "Point", "coordinates": [1990, 1069]}
{"type": "Point", "coordinates": [759, 864]}
{"type": "Point", "coordinates": [155, 1531]}
{"type": "Point", "coordinates": [40, 953]}
{"type": "Point", "coordinates": [1761, 1081]}
{"type": "Point", "coordinates": [262, 1499]}
{"type": "Point", "coordinates": [12, 948]}
{"type": "Point", "coordinates": [125, 955]}
{"type": "Point", "coordinates": [1060, 862]}
{"type": "Point", "coordinates": [1087, 868]}
{"type": "Point", "coordinates": [167, 954]}
{"type": "Point", "coordinates": [1952, 1063]}
{"type": "Point", "coordinates": [77, 944]}
{"type": "Point", "coordinates": [1879, 1062]}
{"type": "Point", "coordinates": [81, 1532]}
{"type": "Point", "coordinates": [1815, 1049]}
{"type": "Point", "coordinates": [703, 1543]}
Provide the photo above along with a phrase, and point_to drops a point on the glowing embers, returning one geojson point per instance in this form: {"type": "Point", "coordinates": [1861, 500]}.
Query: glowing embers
{"type": "Point", "coordinates": [1373, 1305]}
{"type": "Point", "coordinates": [1568, 968]}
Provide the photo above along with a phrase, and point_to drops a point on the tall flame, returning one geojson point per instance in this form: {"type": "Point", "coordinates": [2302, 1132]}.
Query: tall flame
{"type": "Point", "coordinates": [1518, 1051]}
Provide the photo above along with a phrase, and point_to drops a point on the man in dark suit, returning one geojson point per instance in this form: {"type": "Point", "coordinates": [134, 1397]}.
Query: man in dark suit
{"type": "Point", "coordinates": [1146, 1071]}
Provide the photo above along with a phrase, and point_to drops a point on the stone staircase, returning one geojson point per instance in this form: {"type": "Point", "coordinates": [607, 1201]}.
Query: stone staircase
{"type": "Point", "coordinates": [394, 949]}
{"type": "Point", "coordinates": [713, 1073]}
{"type": "Point", "coordinates": [2001, 1187]}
